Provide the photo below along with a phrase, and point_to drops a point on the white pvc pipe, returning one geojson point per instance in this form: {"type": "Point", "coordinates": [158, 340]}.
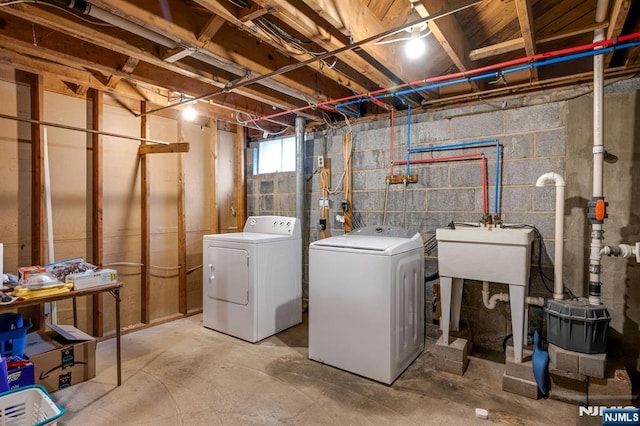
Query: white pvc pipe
{"type": "Point", "coordinates": [602, 8]}
{"type": "Point", "coordinates": [558, 292]}
{"type": "Point", "coordinates": [492, 302]}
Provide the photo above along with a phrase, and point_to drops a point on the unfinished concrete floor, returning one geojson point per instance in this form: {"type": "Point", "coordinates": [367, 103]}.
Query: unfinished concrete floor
{"type": "Point", "coordinates": [181, 373]}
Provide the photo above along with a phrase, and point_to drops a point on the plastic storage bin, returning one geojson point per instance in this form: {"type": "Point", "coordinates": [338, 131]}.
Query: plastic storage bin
{"type": "Point", "coordinates": [31, 405]}
{"type": "Point", "coordinates": [576, 326]}
{"type": "Point", "coordinates": [13, 334]}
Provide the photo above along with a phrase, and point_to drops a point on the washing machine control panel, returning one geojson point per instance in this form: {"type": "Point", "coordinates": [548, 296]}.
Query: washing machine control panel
{"type": "Point", "coordinates": [280, 225]}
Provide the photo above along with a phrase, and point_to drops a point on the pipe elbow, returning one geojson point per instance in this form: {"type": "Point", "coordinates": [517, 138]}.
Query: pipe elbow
{"type": "Point", "coordinates": [550, 177]}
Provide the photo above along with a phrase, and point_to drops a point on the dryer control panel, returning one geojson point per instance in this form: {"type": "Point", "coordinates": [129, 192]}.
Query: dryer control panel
{"type": "Point", "coordinates": [280, 225]}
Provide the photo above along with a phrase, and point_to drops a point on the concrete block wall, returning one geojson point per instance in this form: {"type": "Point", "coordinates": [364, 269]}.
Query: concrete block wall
{"type": "Point", "coordinates": [536, 137]}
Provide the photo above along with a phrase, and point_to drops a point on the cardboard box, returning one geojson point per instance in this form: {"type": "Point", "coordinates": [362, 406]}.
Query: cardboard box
{"type": "Point", "coordinates": [90, 279]}
{"type": "Point", "coordinates": [20, 377]}
{"type": "Point", "coordinates": [62, 358]}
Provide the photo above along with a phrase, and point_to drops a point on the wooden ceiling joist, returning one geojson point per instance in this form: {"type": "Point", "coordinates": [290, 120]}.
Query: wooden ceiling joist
{"type": "Point", "coordinates": [244, 20]}
{"type": "Point", "coordinates": [79, 31]}
{"type": "Point", "coordinates": [231, 55]}
{"type": "Point", "coordinates": [525, 18]}
{"type": "Point", "coordinates": [447, 31]}
{"type": "Point", "coordinates": [518, 43]}
{"type": "Point", "coordinates": [361, 24]}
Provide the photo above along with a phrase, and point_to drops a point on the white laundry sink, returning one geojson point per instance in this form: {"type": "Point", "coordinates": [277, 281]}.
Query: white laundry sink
{"type": "Point", "coordinates": [500, 255]}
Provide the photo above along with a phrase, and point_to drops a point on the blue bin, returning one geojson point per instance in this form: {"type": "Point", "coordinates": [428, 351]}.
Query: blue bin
{"type": "Point", "coordinates": [13, 334]}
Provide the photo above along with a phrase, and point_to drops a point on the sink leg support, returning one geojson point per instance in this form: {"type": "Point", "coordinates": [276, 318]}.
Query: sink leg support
{"type": "Point", "coordinates": [519, 314]}
{"type": "Point", "coordinates": [451, 299]}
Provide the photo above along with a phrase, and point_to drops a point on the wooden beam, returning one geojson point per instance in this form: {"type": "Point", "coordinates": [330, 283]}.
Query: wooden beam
{"type": "Point", "coordinates": [240, 177]}
{"type": "Point", "coordinates": [213, 161]}
{"type": "Point", "coordinates": [234, 54]}
{"type": "Point", "coordinates": [254, 12]}
{"type": "Point", "coordinates": [496, 49]}
{"type": "Point", "coordinates": [283, 48]}
{"type": "Point", "coordinates": [130, 65]}
{"type": "Point", "coordinates": [145, 238]}
{"type": "Point", "coordinates": [83, 32]}
{"type": "Point", "coordinates": [446, 30]}
{"type": "Point", "coordinates": [37, 169]}
{"type": "Point", "coordinates": [619, 13]}
{"type": "Point", "coordinates": [324, 37]}
{"type": "Point", "coordinates": [81, 89]}
{"type": "Point", "coordinates": [518, 43]}
{"type": "Point", "coordinates": [182, 227]}
{"type": "Point", "coordinates": [525, 18]}
{"type": "Point", "coordinates": [144, 149]}
{"type": "Point", "coordinates": [97, 203]}
{"type": "Point", "coordinates": [211, 28]}
{"type": "Point", "coordinates": [362, 24]}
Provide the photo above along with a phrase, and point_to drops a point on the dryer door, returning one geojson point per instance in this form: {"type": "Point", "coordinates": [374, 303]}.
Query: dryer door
{"type": "Point", "coordinates": [228, 275]}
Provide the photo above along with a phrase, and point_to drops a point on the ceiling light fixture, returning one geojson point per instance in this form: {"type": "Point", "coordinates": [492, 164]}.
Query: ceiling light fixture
{"type": "Point", "coordinates": [189, 113]}
{"type": "Point", "coordinates": [415, 47]}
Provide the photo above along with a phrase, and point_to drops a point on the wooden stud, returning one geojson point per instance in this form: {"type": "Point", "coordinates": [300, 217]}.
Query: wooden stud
{"type": "Point", "coordinates": [36, 313]}
{"type": "Point", "coordinates": [213, 144]}
{"type": "Point", "coordinates": [37, 167]}
{"type": "Point", "coordinates": [182, 228]}
{"type": "Point", "coordinates": [239, 178]}
{"type": "Point", "coordinates": [97, 112]}
{"type": "Point", "coordinates": [146, 222]}
{"type": "Point", "coordinates": [163, 149]}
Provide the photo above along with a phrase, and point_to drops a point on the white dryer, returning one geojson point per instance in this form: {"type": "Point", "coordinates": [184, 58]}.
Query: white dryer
{"type": "Point", "coordinates": [366, 301]}
{"type": "Point", "coordinates": [252, 280]}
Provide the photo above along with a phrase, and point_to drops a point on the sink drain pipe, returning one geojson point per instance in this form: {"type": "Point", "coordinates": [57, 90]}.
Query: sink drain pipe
{"type": "Point", "coordinates": [490, 302]}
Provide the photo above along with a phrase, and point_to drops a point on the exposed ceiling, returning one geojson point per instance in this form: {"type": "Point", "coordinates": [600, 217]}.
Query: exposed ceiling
{"type": "Point", "coordinates": [251, 59]}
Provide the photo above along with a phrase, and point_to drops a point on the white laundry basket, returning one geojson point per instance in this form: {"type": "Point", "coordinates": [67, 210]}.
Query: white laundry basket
{"type": "Point", "coordinates": [30, 405]}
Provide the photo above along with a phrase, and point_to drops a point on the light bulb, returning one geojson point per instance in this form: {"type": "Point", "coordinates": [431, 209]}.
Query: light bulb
{"type": "Point", "coordinates": [416, 46]}
{"type": "Point", "coordinates": [189, 113]}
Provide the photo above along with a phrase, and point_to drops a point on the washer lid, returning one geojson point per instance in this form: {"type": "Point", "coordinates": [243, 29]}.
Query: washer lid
{"type": "Point", "coordinates": [373, 245]}
{"type": "Point", "coordinates": [247, 237]}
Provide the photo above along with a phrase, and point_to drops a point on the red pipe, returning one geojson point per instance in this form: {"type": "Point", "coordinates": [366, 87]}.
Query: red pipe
{"type": "Point", "coordinates": [462, 157]}
{"type": "Point", "coordinates": [441, 159]}
{"type": "Point", "coordinates": [531, 58]}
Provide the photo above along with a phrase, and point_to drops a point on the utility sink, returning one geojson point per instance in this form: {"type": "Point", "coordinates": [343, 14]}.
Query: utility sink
{"type": "Point", "coordinates": [499, 255]}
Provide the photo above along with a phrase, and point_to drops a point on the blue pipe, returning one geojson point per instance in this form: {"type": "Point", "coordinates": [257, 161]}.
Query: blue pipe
{"type": "Point", "coordinates": [494, 74]}
{"type": "Point", "coordinates": [408, 137]}
{"type": "Point", "coordinates": [496, 201]}
{"type": "Point", "coordinates": [455, 145]}
{"type": "Point", "coordinates": [346, 111]}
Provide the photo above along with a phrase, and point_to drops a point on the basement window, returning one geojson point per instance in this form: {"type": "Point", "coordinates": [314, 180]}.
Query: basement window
{"type": "Point", "coordinates": [275, 156]}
